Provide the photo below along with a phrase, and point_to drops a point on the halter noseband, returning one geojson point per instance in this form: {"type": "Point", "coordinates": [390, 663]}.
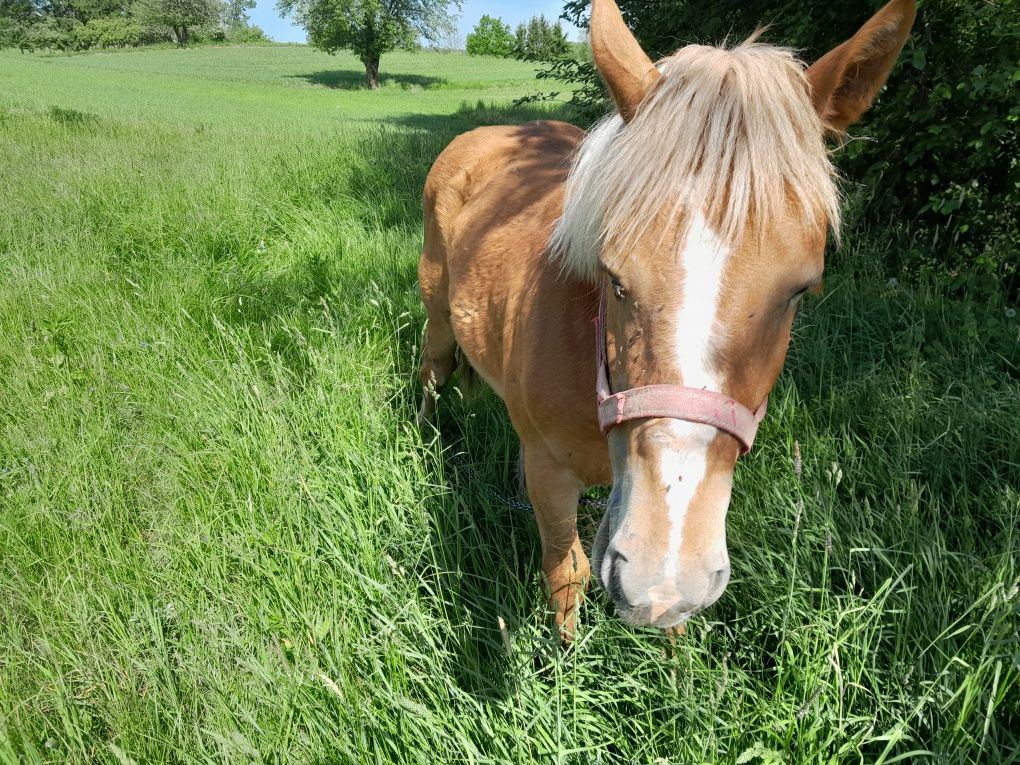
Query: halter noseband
{"type": "Point", "coordinates": [673, 401]}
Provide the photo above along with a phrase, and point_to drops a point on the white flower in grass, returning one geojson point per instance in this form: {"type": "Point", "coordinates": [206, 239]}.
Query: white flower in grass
{"type": "Point", "coordinates": [893, 283]}
{"type": "Point", "coordinates": [835, 473]}
{"type": "Point", "coordinates": [1010, 313]}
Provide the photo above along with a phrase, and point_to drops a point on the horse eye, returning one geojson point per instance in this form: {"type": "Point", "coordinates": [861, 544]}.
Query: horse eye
{"type": "Point", "coordinates": [618, 290]}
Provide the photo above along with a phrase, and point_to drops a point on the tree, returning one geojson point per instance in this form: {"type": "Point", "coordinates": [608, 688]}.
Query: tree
{"type": "Point", "coordinates": [16, 18]}
{"type": "Point", "coordinates": [87, 10]}
{"type": "Point", "coordinates": [83, 24]}
{"type": "Point", "coordinates": [491, 37]}
{"type": "Point", "coordinates": [449, 40]}
{"type": "Point", "coordinates": [370, 28]}
{"type": "Point", "coordinates": [181, 16]}
{"type": "Point", "coordinates": [51, 33]}
{"type": "Point", "coordinates": [110, 32]}
{"type": "Point", "coordinates": [539, 40]}
{"type": "Point", "coordinates": [235, 12]}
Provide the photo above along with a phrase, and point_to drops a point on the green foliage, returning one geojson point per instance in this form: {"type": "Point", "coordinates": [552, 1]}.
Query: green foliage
{"type": "Point", "coordinates": [81, 24]}
{"type": "Point", "coordinates": [943, 160]}
{"type": "Point", "coordinates": [540, 40]}
{"type": "Point", "coordinates": [13, 33]}
{"type": "Point", "coordinates": [111, 32]}
{"type": "Point", "coordinates": [234, 13]}
{"type": "Point", "coordinates": [491, 37]}
{"type": "Point", "coordinates": [51, 34]}
{"type": "Point", "coordinates": [941, 167]}
{"type": "Point", "coordinates": [370, 28]}
{"type": "Point", "coordinates": [246, 34]}
{"type": "Point", "coordinates": [17, 17]}
{"type": "Point", "coordinates": [87, 10]}
{"type": "Point", "coordinates": [181, 17]}
{"type": "Point", "coordinates": [24, 11]}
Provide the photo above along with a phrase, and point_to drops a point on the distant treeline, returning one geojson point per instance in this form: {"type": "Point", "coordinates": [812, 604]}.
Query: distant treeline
{"type": "Point", "coordinates": [538, 40]}
{"type": "Point", "coordinates": [69, 25]}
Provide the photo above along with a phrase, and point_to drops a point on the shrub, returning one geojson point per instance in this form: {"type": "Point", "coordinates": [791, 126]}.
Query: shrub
{"type": "Point", "coordinates": [110, 32]}
{"type": "Point", "coordinates": [207, 33]}
{"type": "Point", "coordinates": [12, 33]}
{"type": "Point", "coordinates": [52, 34]}
{"type": "Point", "coordinates": [246, 34]}
{"type": "Point", "coordinates": [491, 37]}
{"type": "Point", "coordinates": [943, 162]}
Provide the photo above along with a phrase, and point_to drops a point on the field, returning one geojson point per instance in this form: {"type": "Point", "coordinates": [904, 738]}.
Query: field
{"type": "Point", "coordinates": [221, 540]}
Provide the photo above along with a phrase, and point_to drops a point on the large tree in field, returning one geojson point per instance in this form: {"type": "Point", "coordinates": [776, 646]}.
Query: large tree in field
{"type": "Point", "coordinates": [370, 28]}
{"type": "Point", "coordinates": [491, 37]}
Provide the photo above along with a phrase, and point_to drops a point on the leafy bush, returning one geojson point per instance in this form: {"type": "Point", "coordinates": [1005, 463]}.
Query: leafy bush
{"type": "Point", "coordinates": [491, 37]}
{"type": "Point", "coordinates": [12, 33]}
{"type": "Point", "coordinates": [16, 16]}
{"type": "Point", "coordinates": [207, 33]}
{"type": "Point", "coordinates": [940, 171]}
{"type": "Point", "coordinates": [943, 163]}
{"type": "Point", "coordinates": [246, 34]}
{"type": "Point", "coordinates": [110, 32]}
{"type": "Point", "coordinates": [52, 34]}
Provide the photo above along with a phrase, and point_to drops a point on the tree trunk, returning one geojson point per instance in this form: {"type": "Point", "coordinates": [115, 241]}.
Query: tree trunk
{"type": "Point", "coordinates": [372, 71]}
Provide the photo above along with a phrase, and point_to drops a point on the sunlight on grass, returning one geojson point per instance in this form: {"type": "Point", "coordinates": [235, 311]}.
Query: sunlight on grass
{"type": "Point", "coordinates": [221, 539]}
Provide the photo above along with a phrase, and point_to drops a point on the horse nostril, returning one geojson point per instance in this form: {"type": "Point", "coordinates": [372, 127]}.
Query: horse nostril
{"type": "Point", "coordinates": [719, 578]}
{"type": "Point", "coordinates": [613, 576]}
{"type": "Point", "coordinates": [615, 588]}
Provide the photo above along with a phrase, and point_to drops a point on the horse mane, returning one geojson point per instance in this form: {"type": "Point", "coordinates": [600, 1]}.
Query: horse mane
{"type": "Point", "coordinates": [730, 133]}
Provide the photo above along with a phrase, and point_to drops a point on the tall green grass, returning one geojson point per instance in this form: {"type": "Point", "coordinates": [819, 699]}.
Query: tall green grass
{"type": "Point", "coordinates": [222, 541]}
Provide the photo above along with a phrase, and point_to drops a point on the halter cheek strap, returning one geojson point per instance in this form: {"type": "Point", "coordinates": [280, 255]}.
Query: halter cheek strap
{"type": "Point", "coordinates": [673, 401]}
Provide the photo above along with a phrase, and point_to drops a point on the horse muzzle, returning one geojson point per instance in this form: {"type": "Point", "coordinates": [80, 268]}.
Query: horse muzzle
{"type": "Point", "coordinates": [645, 595]}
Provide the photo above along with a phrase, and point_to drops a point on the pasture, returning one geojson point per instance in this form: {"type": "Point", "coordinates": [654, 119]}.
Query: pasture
{"type": "Point", "coordinates": [222, 540]}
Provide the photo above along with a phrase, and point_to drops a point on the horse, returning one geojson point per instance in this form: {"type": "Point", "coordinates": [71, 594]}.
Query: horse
{"type": "Point", "coordinates": [662, 255]}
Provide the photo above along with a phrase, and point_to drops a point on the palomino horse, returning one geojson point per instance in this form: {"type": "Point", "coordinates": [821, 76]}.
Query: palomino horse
{"type": "Point", "coordinates": [663, 255]}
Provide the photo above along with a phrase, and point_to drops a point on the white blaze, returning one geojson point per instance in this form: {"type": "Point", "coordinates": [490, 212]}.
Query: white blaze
{"type": "Point", "coordinates": [682, 463]}
{"type": "Point", "coordinates": [704, 259]}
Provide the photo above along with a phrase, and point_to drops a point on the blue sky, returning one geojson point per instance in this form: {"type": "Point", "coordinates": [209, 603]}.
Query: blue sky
{"type": "Point", "coordinates": [511, 11]}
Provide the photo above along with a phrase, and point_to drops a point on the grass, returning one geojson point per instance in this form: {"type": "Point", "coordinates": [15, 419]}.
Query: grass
{"type": "Point", "coordinates": [260, 88]}
{"type": "Point", "coordinates": [221, 540]}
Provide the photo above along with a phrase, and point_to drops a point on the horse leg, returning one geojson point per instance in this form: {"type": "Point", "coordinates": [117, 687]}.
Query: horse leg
{"type": "Point", "coordinates": [439, 356]}
{"type": "Point", "coordinates": [438, 363]}
{"type": "Point", "coordinates": [554, 492]}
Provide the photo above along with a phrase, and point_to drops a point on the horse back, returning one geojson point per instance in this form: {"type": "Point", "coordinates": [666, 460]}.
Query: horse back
{"type": "Point", "coordinates": [499, 172]}
{"type": "Point", "coordinates": [491, 200]}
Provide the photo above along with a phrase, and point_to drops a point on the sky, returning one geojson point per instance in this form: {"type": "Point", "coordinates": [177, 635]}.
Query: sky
{"type": "Point", "coordinates": [511, 11]}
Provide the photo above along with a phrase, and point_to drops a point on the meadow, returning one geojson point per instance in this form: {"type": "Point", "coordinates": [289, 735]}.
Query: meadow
{"type": "Point", "coordinates": [222, 540]}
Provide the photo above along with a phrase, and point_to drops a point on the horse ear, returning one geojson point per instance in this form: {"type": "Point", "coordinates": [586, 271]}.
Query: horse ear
{"type": "Point", "coordinates": [626, 68]}
{"type": "Point", "coordinates": [845, 80]}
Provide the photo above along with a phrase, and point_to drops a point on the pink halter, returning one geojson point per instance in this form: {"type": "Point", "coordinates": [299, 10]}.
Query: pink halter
{"type": "Point", "coordinates": [673, 401]}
